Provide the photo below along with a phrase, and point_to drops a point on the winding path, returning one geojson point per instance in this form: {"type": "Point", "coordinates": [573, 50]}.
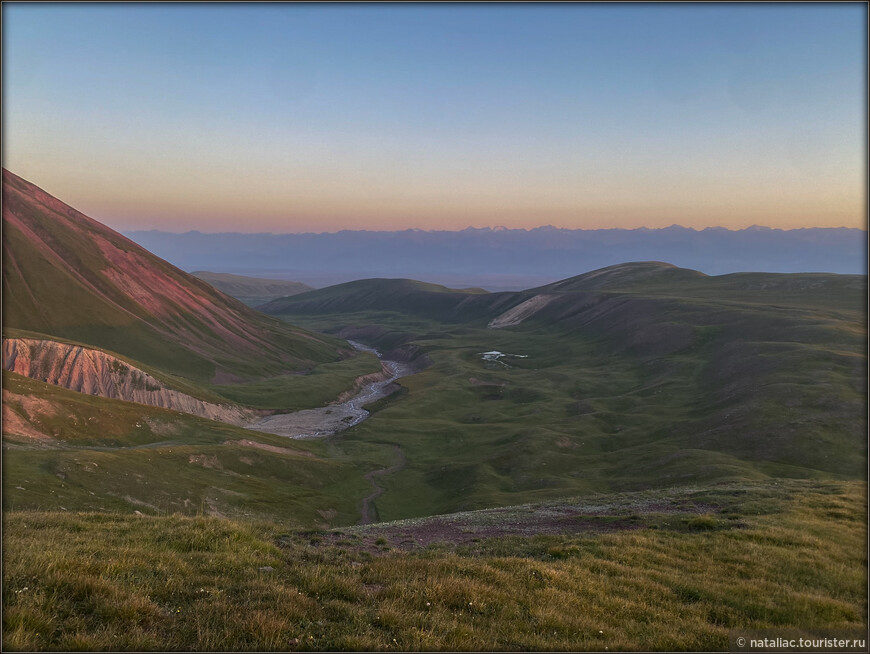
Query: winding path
{"type": "Point", "coordinates": [367, 507]}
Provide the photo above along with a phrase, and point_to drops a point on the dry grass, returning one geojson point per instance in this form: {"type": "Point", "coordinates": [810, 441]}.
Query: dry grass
{"type": "Point", "coordinates": [108, 582]}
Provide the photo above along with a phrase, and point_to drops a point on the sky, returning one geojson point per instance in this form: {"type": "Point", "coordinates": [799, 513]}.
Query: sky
{"type": "Point", "coordinates": [312, 117]}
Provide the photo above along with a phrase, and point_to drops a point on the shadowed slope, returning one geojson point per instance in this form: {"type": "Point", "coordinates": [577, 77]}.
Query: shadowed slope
{"type": "Point", "coordinates": [403, 295]}
{"type": "Point", "coordinates": [67, 275]}
{"type": "Point", "coordinates": [251, 290]}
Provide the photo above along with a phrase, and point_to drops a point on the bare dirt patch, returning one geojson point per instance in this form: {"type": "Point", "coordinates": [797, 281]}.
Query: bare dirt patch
{"type": "Point", "coordinates": [32, 405]}
{"type": "Point", "coordinates": [268, 448]}
{"type": "Point", "coordinates": [20, 423]}
{"type": "Point", "coordinates": [160, 427]}
{"type": "Point", "coordinates": [519, 313]}
{"type": "Point", "coordinates": [15, 425]}
{"type": "Point", "coordinates": [557, 518]}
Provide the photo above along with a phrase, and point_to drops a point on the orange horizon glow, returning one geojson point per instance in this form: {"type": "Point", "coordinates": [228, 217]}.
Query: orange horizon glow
{"type": "Point", "coordinates": [253, 206]}
{"type": "Point", "coordinates": [301, 118]}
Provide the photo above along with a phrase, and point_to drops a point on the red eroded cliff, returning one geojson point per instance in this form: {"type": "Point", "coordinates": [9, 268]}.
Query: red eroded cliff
{"type": "Point", "coordinates": [97, 373]}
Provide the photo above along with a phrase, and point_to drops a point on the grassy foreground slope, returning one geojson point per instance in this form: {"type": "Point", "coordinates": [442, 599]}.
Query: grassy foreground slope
{"type": "Point", "coordinates": [636, 376]}
{"type": "Point", "coordinates": [666, 570]}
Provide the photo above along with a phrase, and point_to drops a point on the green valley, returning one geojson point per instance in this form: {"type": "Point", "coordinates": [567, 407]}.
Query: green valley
{"type": "Point", "coordinates": [639, 457]}
{"type": "Point", "coordinates": [639, 376]}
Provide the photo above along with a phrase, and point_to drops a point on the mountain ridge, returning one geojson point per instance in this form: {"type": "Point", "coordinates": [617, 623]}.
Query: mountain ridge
{"type": "Point", "coordinates": [68, 275]}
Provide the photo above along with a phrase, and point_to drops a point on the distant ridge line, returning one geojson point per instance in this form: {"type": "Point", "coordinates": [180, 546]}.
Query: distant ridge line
{"type": "Point", "coordinates": [487, 257]}
{"type": "Point", "coordinates": [500, 230]}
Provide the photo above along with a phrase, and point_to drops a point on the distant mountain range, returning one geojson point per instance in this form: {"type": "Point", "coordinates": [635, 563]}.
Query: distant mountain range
{"type": "Point", "coordinates": [507, 259]}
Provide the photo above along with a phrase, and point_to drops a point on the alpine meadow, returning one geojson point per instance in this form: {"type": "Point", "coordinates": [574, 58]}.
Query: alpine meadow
{"type": "Point", "coordinates": [264, 389]}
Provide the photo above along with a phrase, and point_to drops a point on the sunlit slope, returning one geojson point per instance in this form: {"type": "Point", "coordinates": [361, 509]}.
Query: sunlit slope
{"type": "Point", "coordinates": [67, 275]}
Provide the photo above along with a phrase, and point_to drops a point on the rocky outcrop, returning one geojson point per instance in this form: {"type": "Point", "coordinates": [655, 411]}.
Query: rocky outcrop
{"type": "Point", "coordinates": [94, 372]}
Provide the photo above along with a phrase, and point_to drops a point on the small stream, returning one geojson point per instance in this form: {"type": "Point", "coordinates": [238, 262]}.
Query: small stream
{"type": "Point", "coordinates": [328, 420]}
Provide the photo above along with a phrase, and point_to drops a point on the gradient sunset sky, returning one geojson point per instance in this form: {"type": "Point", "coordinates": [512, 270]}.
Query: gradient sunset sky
{"type": "Point", "coordinates": [292, 118]}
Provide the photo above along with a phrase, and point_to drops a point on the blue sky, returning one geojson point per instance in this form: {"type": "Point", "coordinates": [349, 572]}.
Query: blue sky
{"type": "Point", "coordinates": [289, 117]}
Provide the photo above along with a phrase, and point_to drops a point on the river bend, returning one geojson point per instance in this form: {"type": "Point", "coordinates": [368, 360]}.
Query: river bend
{"type": "Point", "coordinates": [328, 420]}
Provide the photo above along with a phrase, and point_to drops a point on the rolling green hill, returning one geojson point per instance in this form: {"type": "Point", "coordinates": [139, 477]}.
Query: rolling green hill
{"type": "Point", "coordinates": [812, 290]}
{"type": "Point", "coordinates": [398, 295]}
{"type": "Point", "coordinates": [627, 276]}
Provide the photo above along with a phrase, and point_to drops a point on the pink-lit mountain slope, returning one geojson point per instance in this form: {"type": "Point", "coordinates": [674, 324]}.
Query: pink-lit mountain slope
{"type": "Point", "coordinates": [69, 276]}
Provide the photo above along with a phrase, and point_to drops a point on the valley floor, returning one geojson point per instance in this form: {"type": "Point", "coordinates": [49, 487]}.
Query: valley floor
{"type": "Point", "coordinates": [674, 569]}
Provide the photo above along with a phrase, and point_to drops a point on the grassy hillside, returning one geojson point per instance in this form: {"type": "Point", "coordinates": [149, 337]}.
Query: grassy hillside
{"type": "Point", "coordinates": [400, 295]}
{"type": "Point", "coordinates": [71, 451]}
{"type": "Point", "coordinates": [672, 570]}
{"type": "Point", "coordinates": [253, 291]}
{"type": "Point", "coordinates": [814, 291]}
{"type": "Point", "coordinates": [67, 275]}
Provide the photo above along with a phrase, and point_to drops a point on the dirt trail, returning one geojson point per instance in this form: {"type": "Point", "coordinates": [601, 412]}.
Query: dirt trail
{"type": "Point", "coordinates": [661, 509]}
{"type": "Point", "coordinates": [367, 507]}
